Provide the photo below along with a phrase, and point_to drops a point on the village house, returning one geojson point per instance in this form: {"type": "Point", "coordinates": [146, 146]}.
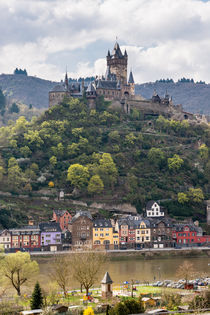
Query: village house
{"type": "Point", "coordinates": [103, 235]}
{"type": "Point", "coordinates": [153, 210]}
{"type": "Point", "coordinates": [27, 237]}
{"type": "Point", "coordinates": [81, 228]}
{"type": "Point", "coordinates": [50, 236]}
{"type": "Point", "coordinates": [5, 239]}
{"type": "Point", "coordinates": [161, 233]}
{"type": "Point", "coordinates": [189, 235]}
{"type": "Point", "coordinates": [143, 234]}
{"type": "Point", "coordinates": [63, 217]}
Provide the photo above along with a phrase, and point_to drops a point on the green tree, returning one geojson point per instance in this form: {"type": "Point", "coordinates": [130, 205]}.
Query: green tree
{"type": "Point", "coordinates": [78, 175]}
{"type": "Point", "coordinates": [114, 136]}
{"type": "Point", "coordinates": [37, 298]}
{"type": "Point", "coordinates": [175, 162]}
{"type": "Point", "coordinates": [95, 185]}
{"type": "Point", "coordinates": [53, 161]}
{"type": "Point", "coordinates": [2, 171]}
{"type": "Point", "coordinates": [119, 309]}
{"type": "Point", "coordinates": [19, 269]}
{"type": "Point", "coordinates": [204, 152]}
{"type": "Point", "coordinates": [182, 198]}
{"type": "Point", "coordinates": [196, 195]}
{"type": "Point", "coordinates": [130, 139]}
{"type": "Point", "coordinates": [156, 156]}
{"type": "Point", "coordinates": [25, 151]}
{"type": "Point", "coordinates": [107, 169]}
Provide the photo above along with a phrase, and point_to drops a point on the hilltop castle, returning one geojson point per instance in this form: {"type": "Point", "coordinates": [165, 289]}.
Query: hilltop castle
{"type": "Point", "coordinates": [117, 87]}
{"type": "Point", "coordinates": [113, 86]}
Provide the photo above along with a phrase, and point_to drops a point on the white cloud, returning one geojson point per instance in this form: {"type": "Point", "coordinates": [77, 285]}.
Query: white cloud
{"type": "Point", "coordinates": [164, 38]}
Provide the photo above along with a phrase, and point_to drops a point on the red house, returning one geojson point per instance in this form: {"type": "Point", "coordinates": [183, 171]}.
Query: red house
{"type": "Point", "coordinates": [63, 217]}
{"type": "Point", "coordinates": [189, 235]}
{"type": "Point", "coordinates": [127, 233]}
{"type": "Point", "coordinates": [28, 237]}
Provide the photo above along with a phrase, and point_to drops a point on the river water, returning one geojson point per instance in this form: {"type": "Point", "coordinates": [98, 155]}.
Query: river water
{"type": "Point", "coordinates": [126, 269]}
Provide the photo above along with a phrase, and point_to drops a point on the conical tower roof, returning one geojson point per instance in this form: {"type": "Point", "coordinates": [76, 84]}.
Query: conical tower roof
{"type": "Point", "coordinates": [107, 279]}
{"type": "Point", "coordinates": [131, 79]}
{"type": "Point", "coordinates": [117, 51]}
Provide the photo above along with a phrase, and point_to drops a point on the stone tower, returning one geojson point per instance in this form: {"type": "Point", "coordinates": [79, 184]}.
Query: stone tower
{"type": "Point", "coordinates": [106, 286]}
{"type": "Point", "coordinates": [117, 63]}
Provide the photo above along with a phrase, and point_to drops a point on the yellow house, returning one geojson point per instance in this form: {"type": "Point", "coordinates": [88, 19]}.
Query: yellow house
{"type": "Point", "coordinates": [143, 234]}
{"type": "Point", "coordinates": [104, 236]}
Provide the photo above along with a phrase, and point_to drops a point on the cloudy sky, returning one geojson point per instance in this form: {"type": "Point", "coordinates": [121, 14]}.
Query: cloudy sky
{"type": "Point", "coordinates": [163, 38]}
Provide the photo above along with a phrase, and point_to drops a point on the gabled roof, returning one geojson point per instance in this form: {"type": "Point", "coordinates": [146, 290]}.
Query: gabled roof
{"type": "Point", "coordinates": [60, 213]}
{"type": "Point", "coordinates": [82, 214]}
{"type": "Point", "coordinates": [107, 279]}
{"type": "Point", "coordinates": [108, 84]}
{"type": "Point", "coordinates": [150, 204]}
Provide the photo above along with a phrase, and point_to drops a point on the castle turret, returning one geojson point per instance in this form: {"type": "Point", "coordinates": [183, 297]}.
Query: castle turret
{"type": "Point", "coordinates": [66, 81]}
{"type": "Point", "coordinates": [117, 62]}
{"type": "Point", "coordinates": [131, 83]}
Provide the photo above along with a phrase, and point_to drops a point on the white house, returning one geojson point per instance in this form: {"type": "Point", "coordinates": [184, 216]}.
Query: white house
{"type": "Point", "coordinates": [5, 239]}
{"type": "Point", "coordinates": [153, 210]}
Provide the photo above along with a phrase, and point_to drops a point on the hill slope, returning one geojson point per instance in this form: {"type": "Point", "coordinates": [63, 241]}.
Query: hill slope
{"type": "Point", "coordinates": [26, 89]}
{"type": "Point", "coordinates": [121, 158]}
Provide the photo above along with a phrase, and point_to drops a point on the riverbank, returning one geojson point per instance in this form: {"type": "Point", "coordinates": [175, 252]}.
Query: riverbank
{"type": "Point", "coordinates": [140, 254]}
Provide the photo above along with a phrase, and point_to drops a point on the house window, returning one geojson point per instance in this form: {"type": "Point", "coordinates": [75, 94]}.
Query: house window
{"type": "Point", "coordinates": [96, 234]}
{"type": "Point", "coordinates": [97, 242]}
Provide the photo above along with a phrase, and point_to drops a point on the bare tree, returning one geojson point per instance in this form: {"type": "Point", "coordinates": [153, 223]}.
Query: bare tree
{"type": "Point", "coordinates": [186, 271]}
{"type": "Point", "coordinates": [86, 267]}
{"type": "Point", "coordinates": [62, 272]}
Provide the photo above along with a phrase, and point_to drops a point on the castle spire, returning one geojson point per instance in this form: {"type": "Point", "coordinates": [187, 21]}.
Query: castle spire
{"type": "Point", "coordinates": [66, 80]}
{"type": "Point", "coordinates": [131, 79]}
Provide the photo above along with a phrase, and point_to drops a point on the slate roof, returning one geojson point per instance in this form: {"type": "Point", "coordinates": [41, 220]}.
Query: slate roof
{"type": "Point", "coordinates": [107, 279]}
{"type": "Point", "coordinates": [50, 227]}
{"type": "Point", "coordinates": [155, 221]}
{"type": "Point", "coordinates": [60, 213]}
{"type": "Point", "coordinates": [107, 84]}
{"type": "Point", "coordinates": [105, 223]}
{"type": "Point", "coordinates": [150, 204]}
{"type": "Point", "coordinates": [131, 79]}
{"type": "Point", "coordinates": [59, 88]}
{"type": "Point", "coordinates": [192, 227]}
{"type": "Point", "coordinates": [117, 51]}
{"type": "Point", "coordinates": [82, 213]}
{"type": "Point", "coordinates": [24, 228]}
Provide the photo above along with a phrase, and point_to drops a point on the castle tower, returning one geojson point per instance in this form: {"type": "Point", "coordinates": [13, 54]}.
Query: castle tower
{"type": "Point", "coordinates": [117, 63]}
{"type": "Point", "coordinates": [106, 286]}
{"type": "Point", "coordinates": [131, 83]}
